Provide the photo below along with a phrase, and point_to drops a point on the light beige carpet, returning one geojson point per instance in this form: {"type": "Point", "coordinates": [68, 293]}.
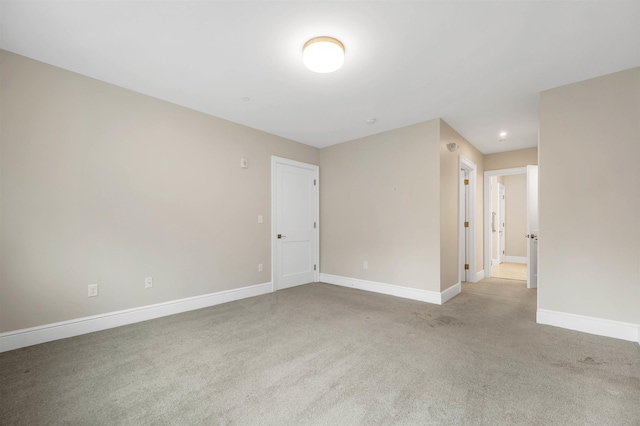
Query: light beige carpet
{"type": "Point", "coordinates": [325, 355]}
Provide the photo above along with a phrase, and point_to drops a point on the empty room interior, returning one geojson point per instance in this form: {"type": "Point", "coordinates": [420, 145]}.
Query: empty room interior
{"type": "Point", "coordinates": [433, 222]}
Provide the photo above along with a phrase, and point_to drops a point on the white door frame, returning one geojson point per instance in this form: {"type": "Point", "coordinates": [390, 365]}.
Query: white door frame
{"type": "Point", "coordinates": [280, 160]}
{"type": "Point", "coordinates": [533, 226]}
{"type": "Point", "coordinates": [487, 211]}
{"type": "Point", "coordinates": [502, 230]}
{"type": "Point", "coordinates": [466, 165]}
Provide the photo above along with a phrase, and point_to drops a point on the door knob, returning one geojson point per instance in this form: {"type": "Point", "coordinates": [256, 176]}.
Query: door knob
{"type": "Point", "coordinates": [281, 236]}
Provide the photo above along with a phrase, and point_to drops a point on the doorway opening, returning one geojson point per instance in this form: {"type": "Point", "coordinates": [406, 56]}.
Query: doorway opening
{"type": "Point", "coordinates": [467, 221]}
{"type": "Point", "coordinates": [511, 224]}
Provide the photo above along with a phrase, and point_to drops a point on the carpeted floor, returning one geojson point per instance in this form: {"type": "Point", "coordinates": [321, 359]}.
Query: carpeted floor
{"type": "Point", "coordinates": [326, 355]}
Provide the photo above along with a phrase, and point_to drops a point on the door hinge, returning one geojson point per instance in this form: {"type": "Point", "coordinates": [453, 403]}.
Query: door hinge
{"type": "Point", "coordinates": [314, 267]}
{"type": "Point", "coordinates": [466, 224]}
{"type": "Point", "coordinates": [314, 182]}
{"type": "Point", "coordinates": [314, 225]}
{"type": "Point", "coordinates": [466, 266]}
{"type": "Point", "coordinates": [466, 181]}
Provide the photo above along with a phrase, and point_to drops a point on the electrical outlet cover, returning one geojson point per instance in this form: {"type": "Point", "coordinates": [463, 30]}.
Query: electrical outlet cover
{"type": "Point", "coordinates": [92, 290]}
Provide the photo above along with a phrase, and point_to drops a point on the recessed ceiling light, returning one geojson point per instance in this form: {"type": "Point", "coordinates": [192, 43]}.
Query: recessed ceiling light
{"type": "Point", "coordinates": [503, 134]}
{"type": "Point", "coordinates": [323, 54]}
{"type": "Point", "coordinates": [371, 120]}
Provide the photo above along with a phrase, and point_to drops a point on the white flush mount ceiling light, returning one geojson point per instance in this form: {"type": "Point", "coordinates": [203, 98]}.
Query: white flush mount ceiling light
{"type": "Point", "coordinates": [323, 54]}
{"type": "Point", "coordinates": [503, 135]}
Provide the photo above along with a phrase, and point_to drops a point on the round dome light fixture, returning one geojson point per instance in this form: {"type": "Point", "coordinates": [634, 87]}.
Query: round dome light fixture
{"type": "Point", "coordinates": [323, 54]}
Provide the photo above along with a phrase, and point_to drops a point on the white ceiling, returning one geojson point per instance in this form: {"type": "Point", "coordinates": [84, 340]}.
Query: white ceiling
{"type": "Point", "coordinates": [479, 65]}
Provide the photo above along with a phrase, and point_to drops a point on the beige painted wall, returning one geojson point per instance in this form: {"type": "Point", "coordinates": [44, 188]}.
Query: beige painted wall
{"type": "Point", "coordinates": [103, 185]}
{"type": "Point", "coordinates": [378, 203]}
{"type": "Point", "coordinates": [511, 159]}
{"type": "Point", "coordinates": [589, 249]}
{"type": "Point", "coordinates": [515, 188]}
{"type": "Point", "coordinates": [449, 204]}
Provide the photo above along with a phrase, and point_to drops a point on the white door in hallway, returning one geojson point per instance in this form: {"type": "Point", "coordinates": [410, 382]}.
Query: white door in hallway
{"type": "Point", "coordinates": [466, 220]}
{"type": "Point", "coordinates": [532, 226]}
{"type": "Point", "coordinates": [294, 222]}
{"type": "Point", "coordinates": [464, 178]}
{"type": "Point", "coordinates": [501, 224]}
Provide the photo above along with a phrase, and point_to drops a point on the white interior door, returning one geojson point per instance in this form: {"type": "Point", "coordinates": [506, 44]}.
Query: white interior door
{"type": "Point", "coordinates": [501, 223]}
{"type": "Point", "coordinates": [532, 226]}
{"type": "Point", "coordinates": [465, 225]}
{"type": "Point", "coordinates": [466, 219]}
{"type": "Point", "coordinates": [295, 222]}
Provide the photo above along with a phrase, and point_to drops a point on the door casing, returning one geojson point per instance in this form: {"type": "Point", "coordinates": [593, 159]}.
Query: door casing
{"type": "Point", "coordinates": [532, 227]}
{"type": "Point", "coordinates": [487, 211]}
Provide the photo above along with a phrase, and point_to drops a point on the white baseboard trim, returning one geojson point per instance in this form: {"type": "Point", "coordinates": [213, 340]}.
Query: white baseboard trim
{"type": "Point", "coordinates": [598, 326]}
{"type": "Point", "coordinates": [515, 259]}
{"type": "Point", "coordinates": [435, 297]}
{"type": "Point", "coordinates": [61, 330]}
{"type": "Point", "coordinates": [479, 275]}
{"type": "Point", "coordinates": [495, 262]}
{"type": "Point", "coordinates": [450, 293]}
